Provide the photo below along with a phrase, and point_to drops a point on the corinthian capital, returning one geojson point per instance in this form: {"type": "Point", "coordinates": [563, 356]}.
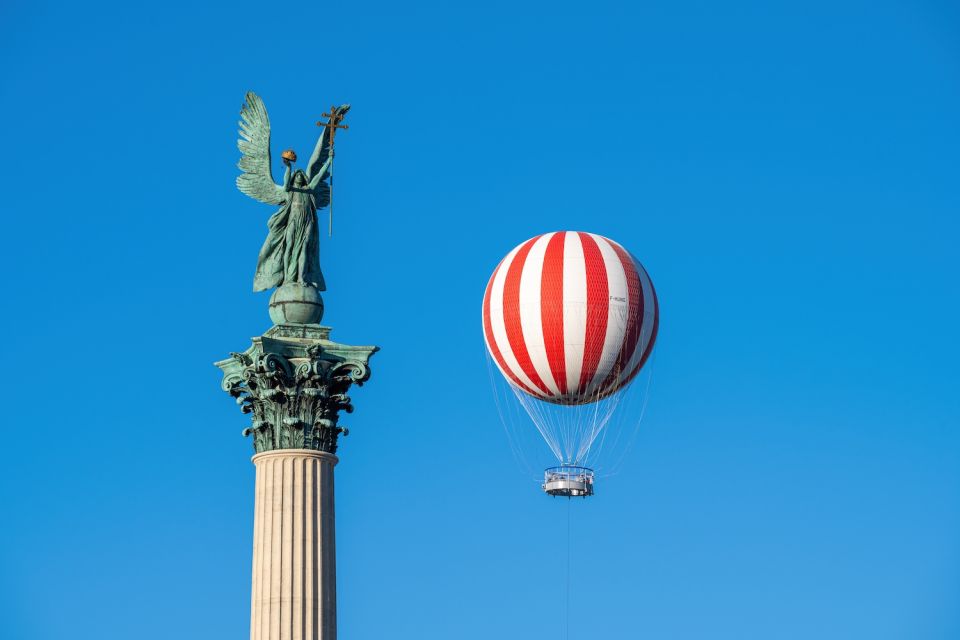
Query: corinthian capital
{"type": "Point", "coordinates": [294, 382]}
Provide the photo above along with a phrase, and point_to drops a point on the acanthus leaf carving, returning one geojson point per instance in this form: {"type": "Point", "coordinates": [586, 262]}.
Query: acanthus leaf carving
{"type": "Point", "coordinates": [295, 400]}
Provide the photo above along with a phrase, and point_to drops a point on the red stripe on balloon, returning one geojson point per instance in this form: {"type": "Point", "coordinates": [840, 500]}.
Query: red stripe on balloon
{"type": "Point", "coordinates": [492, 342]}
{"type": "Point", "coordinates": [598, 302]}
{"type": "Point", "coordinates": [511, 315]}
{"type": "Point", "coordinates": [656, 316]}
{"type": "Point", "coordinates": [551, 309]}
{"type": "Point", "coordinates": [648, 349]}
{"type": "Point", "coordinates": [634, 327]}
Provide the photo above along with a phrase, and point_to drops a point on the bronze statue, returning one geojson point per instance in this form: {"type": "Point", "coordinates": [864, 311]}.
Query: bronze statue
{"type": "Point", "coordinates": [290, 256]}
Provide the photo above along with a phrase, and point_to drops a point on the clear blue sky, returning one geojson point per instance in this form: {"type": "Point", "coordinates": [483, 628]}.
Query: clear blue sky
{"type": "Point", "coordinates": [788, 173]}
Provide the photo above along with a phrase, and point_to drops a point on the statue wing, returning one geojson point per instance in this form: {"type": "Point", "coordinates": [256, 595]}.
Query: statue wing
{"type": "Point", "coordinates": [254, 143]}
{"type": "Point", "coordinates": [321, 195]}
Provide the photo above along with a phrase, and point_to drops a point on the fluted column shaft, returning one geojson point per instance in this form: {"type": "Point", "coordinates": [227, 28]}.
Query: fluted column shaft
{"type": "Point", "coordinates": [294, 558]}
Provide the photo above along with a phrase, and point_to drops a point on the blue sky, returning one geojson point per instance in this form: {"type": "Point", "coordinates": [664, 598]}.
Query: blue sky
{"type": "Point", "coordinates": [787, 173]}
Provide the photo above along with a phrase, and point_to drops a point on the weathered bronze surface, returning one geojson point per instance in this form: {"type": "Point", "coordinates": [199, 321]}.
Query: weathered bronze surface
{"type": "Point", "coordinates": [291, 252]}
{"type": "Point", "coordinates": [294, 381]}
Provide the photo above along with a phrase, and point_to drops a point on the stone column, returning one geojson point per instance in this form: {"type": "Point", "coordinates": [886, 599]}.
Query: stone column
{"type": "Point", "coordinates": [294, 548]}
{"type": "Point", "coordinates": [293, 381]}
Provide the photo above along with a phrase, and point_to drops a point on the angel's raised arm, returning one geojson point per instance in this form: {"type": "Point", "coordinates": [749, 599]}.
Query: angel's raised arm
{"type": "Point", "coordinates": [321, 174]}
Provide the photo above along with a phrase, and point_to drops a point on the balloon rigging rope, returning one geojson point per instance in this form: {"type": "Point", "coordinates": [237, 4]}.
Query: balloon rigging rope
{"type": "Point", "coordinates": [599, 423]}
{"type": "Point", "coordinates": [615, 468]}
{"type": "Point", "coordinates": [505, 420]}
{"type": "Point", "coordinates": [575, 434]}
{"type": "Point", "coordinates": [537, 414]}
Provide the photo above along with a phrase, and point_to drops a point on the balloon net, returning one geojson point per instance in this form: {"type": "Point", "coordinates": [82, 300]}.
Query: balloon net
{"type": "Point", "coordinates": [597, 433]}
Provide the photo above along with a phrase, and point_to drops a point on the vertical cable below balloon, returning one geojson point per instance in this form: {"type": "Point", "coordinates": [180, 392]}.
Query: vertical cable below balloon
{"type": "Point", "coordinates": [569, 507]}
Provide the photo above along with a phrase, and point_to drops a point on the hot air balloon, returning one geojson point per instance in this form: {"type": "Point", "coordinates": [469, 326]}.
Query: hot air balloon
{"type": "Point", "coordinates": [569, 320]}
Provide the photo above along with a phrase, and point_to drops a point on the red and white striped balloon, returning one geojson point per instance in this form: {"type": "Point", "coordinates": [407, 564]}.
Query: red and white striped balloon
{"type": "Point", "coordinates": [570, 317]}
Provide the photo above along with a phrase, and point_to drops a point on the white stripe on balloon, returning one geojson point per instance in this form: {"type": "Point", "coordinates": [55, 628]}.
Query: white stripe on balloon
{"type": "Point", "coordinates": [617, 312]}
{"type": "Point", "coordinates": [531, 318]}
{"type": "Point", "coordinates": [574, 308]}
{"type": "Point", "coordinates": [499, 328]}
{"type": "Point", "coordinates": [646, 324]}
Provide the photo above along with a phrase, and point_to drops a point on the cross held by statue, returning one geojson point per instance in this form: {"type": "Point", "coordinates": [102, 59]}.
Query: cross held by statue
{"type": "Point", "coordinates": [333, 123]}
{"type": "Point", "coordinates": [334, 117]}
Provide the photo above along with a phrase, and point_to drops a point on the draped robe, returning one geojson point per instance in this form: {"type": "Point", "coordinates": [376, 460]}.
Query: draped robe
{"type": "Point", "coordinates": [291, 252]}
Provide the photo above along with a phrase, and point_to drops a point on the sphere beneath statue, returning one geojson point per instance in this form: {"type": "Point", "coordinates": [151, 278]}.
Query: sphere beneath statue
{"type": "Point", "coordinates": [295, 303]}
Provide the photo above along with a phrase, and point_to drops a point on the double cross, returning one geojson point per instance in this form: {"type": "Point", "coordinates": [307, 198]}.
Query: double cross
{"type": "Point", "coordinates": [332, 123]}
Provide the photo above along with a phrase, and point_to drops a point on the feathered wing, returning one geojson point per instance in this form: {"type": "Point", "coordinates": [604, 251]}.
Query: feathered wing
{"type": "Point", "coordinates": [254, 143]}
{"type": "Point", "coordinates": [321, 195]}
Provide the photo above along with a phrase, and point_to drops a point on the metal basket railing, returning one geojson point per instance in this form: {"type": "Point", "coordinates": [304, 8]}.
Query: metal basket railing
{"type": "Point", "coordinates": [568, 472]}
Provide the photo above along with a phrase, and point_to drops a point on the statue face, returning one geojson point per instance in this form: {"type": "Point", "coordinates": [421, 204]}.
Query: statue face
{"type": "Point", "coordinates": [300, 180]}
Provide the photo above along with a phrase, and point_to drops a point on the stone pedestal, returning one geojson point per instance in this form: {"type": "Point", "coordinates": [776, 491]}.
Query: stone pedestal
{"type": "Point", "coordinates": [294, 380]}
{"type": "Point", "coordinates": [294, 557]}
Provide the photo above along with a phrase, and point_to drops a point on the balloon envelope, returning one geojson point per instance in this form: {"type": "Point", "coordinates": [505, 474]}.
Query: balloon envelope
{"type": "Point", "coordinates": [569, 317]}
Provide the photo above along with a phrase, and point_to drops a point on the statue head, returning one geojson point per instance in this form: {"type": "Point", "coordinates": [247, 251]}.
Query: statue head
{"type": "Point", "coordinates": [299, 179]}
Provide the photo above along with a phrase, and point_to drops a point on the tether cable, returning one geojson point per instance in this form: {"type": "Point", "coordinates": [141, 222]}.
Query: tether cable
{"type": "Point", "coordinates": [568, 567]}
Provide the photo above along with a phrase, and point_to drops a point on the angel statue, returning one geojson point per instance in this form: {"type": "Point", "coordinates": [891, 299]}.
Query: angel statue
{"type": "Point", "coordinates": [290, 256]}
